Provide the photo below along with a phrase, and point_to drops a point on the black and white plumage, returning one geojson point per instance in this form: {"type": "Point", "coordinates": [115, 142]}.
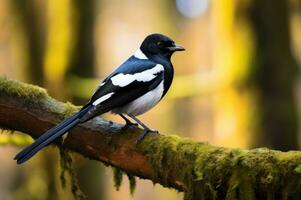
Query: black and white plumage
{"type": "Point", "coordinates": [131, 90]}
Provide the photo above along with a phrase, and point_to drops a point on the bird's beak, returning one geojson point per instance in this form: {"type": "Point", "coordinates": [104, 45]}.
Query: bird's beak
{"type": "Point", "coordinates": [176, 47]}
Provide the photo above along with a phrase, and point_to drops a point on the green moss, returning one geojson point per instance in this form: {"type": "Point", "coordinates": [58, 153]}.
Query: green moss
{"type": "Point", "coordinates": [209, 172]}
{"type": "Point", "coordinates": [298, 169]}
{"type": "Point", "coordinates": [132, 181]}
{"type": "Point", "coordinates": [118, 176]}
{"type": "Point", "coordinates": [67, 168]}
{"type": "Point", "coordinates": [35, 96]}
{"type": "Point", "coordinates": [22, 90]}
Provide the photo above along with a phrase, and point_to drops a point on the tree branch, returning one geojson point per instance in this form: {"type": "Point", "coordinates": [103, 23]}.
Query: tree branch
{"type": "Point", "coordinates": [199, 169]}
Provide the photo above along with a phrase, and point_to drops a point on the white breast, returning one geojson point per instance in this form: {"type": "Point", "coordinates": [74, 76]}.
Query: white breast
{"type": "Point", "coordinates": [143, 103]}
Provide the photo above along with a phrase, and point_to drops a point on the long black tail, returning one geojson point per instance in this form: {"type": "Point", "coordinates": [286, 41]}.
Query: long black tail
{"type": "Point", "coordinates": [50, 136]}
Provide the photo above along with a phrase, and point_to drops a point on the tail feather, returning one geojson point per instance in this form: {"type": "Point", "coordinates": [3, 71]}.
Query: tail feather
{"type": "Point", "coordinates": [50, 136]}
{"type": "Point", "coordinates": [46, 135]}
{"type": "Point", "coordinates": [36, 148]}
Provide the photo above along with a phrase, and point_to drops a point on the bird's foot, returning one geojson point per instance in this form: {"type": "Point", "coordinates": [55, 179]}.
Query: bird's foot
{"type": "Point", "coordinates": [144, 133]}
{"type": "Point", "coordinates": [130, 124]}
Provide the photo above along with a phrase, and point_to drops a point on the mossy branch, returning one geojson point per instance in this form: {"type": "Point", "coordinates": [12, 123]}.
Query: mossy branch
{"type": "Point", "coordinates": [199, 169]}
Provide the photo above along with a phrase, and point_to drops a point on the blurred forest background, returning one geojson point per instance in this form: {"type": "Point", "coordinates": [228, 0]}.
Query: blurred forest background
{"type": "Point", "coordinates": [236, 85]}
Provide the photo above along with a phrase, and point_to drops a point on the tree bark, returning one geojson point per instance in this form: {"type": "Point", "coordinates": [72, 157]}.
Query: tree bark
{"type": "Point", "coordinates": [199, 169]}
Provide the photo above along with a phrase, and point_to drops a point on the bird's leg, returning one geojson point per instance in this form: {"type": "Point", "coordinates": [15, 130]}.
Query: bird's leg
{"type": "Point", "coordinates": [127, 121]}
{"type": "Point", "coordinates": [146, 129]}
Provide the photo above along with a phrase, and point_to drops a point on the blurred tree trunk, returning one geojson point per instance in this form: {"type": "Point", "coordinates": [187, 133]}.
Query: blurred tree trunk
{"type": "Point", "coordinates": [82, 60]}
{"type": "Point", "coordinates": [82, 64]}
{"type": "Point", "coordinates": [274, 75]}
{"type": "Point", "coordinates": [31, 20]}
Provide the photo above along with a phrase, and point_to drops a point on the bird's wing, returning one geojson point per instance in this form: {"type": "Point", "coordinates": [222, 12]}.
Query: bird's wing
{"type": "Point", "coordinates": [128, 82]}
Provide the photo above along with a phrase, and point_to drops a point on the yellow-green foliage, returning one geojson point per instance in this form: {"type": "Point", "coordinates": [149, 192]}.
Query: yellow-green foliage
{"type": "Point", "coordinates": [11, 138]}
{"type": "Point", "coordinates": [209, 172]}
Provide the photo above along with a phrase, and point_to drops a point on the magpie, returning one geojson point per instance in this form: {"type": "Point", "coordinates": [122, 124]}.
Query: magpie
{"type": "Point", "coordinates": [133, 88]}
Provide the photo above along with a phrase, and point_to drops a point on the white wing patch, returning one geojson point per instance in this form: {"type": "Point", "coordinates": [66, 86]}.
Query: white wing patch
{"type": "Point", "coordinates": [122, 80]}
{"type": "Point", "coordinates": [139, 54]}
{"type": "Point", "coordinates": [102, 99]}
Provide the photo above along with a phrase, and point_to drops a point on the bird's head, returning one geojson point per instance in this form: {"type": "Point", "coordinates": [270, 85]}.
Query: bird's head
{"type": "Point", "coordinates": [159, 45]}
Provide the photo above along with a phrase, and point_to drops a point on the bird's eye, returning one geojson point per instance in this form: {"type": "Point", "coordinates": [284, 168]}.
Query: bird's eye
{"type": "Point", "coordinates": [160, 44]}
